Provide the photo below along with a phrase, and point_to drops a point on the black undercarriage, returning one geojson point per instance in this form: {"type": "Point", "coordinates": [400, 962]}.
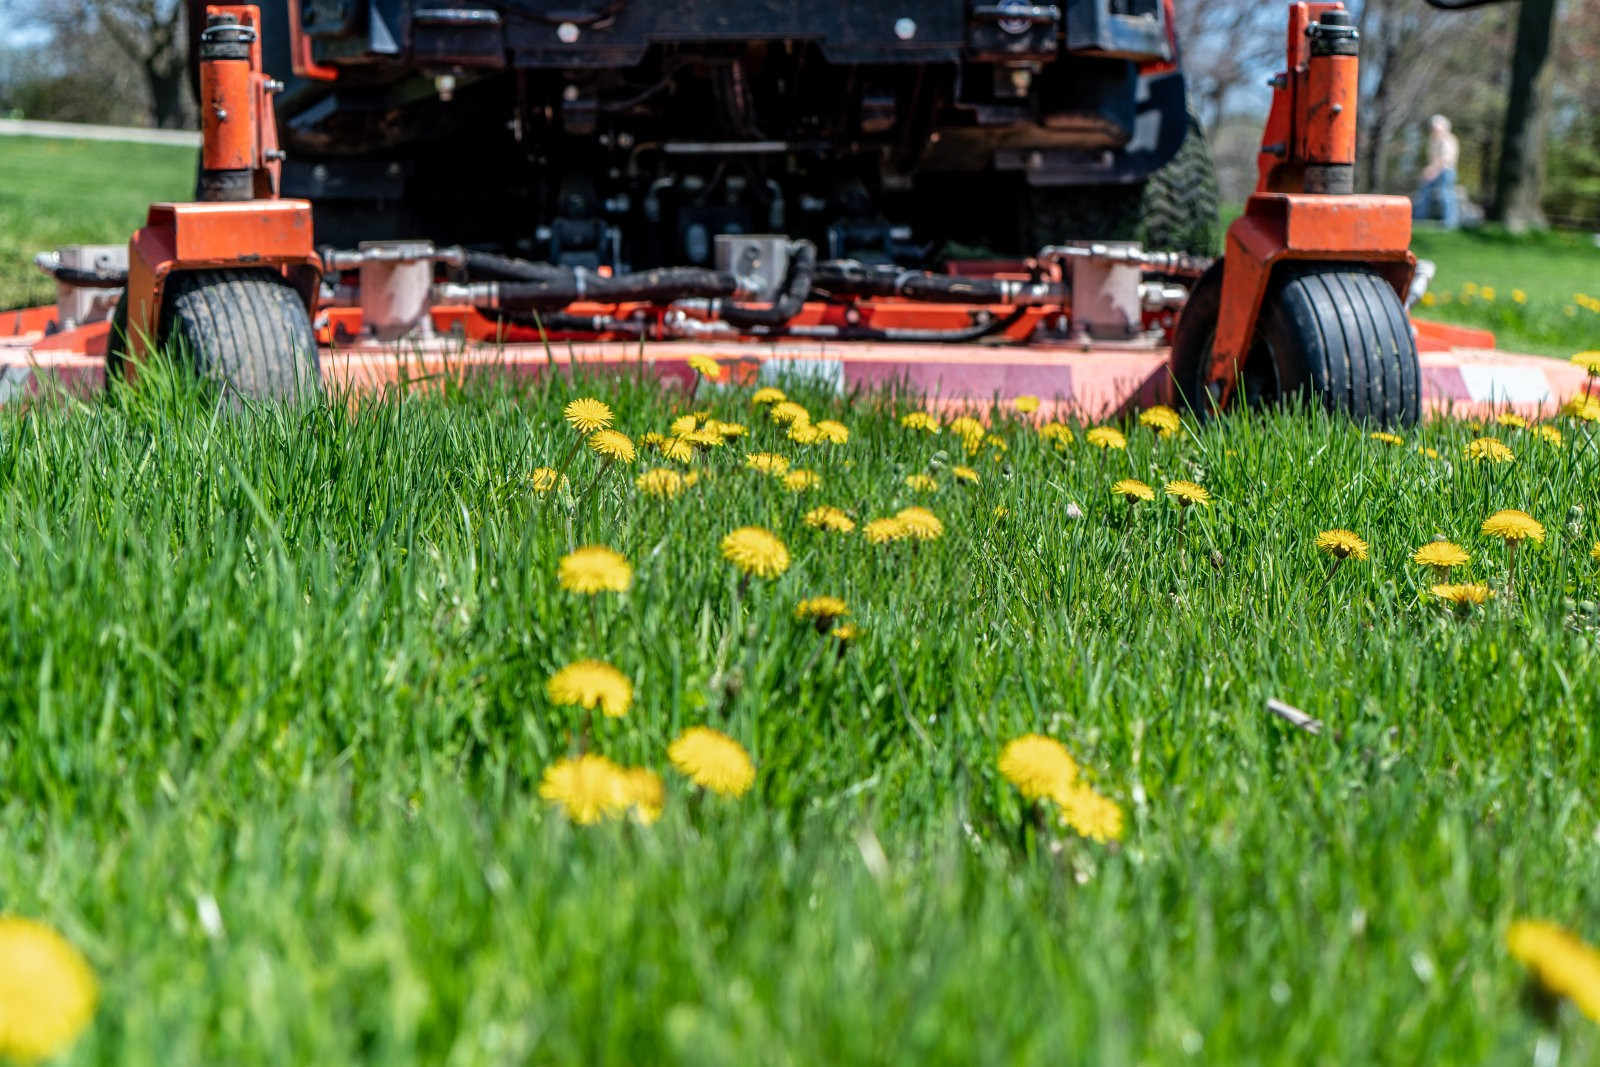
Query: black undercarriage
{"type": "Point", "coordinates": [630, 134]}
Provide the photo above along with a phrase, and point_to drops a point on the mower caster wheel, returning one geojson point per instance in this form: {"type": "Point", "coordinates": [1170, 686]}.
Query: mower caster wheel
{"type": "Point", "coordinates": [247, 330]}
{"type": "Point", "coordinates": [1335, 333]}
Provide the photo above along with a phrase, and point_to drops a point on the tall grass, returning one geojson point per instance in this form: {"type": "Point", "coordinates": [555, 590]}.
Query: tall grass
{"type": "Point", "coordinates": [291, 663]}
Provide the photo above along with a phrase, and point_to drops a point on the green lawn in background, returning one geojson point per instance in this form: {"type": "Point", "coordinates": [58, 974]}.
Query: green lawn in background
{"type": "Point", "coordinates": [57, 192]}
{"type": "Point", "coordinates": [1481, 273]}
{"type": "Point", "coordinates": [273, 723]}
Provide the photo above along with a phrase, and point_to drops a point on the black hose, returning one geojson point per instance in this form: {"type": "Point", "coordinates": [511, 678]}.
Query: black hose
{"type": "Point", "coordinates": [509, 269]}
{"type": "Point", "coordinates": [89, 279]}
{"type": "Point", "coordinates": [868, 333]}
{"type": "Point", "coordinates": [660, 286]}
{"type": "Point", "coordinates": [849, 278]}
{"type": "Point", "coordinates": [796, 287]}
{"type": "Point", "coordinates": [557, 322]}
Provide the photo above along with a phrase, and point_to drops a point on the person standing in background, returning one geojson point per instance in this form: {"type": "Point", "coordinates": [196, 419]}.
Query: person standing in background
{"type": "Point", "coordinates": [1436, 198]}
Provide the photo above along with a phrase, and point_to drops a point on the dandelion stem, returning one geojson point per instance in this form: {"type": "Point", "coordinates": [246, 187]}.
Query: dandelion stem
{"type": "Point", "coordinates": [1511, 570]}
{"type": "Point", "coordinates": [1337, 560]}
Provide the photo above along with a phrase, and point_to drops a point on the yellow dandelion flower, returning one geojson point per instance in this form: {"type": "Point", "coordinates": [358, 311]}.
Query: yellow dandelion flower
{"type": "Point", "coordinates": [544, 479]}
{"type": "Point", "coordinates": [1089, 814]}
{"type": "Point", "coordinates": [966, 426]}
{"type": "Point", "coordinates": [1490, 449]}
{"type": "Point", "coordinates": [1133, 490]}
{"type": "Point", "coordinates": [713, 760]}
{"type": "Point", "coordinates": [612, 445]}
{"type": "Point", "coordinates": [595, 569]}
{"type": "Point", "coordinates": [822, 610]}
{"type": "Point", "coordinates": [47, 991]}
{"type": "Point", "coordinates": [1584, 408]}
{"type": "Point", "coordinates": [830, 518]}
{"type": "Point", "coordinates": [1187, 493]}
{"type": "Point", "coordinates": [1027, 403]}
{"type": "Point", "coordinates": [920, 420]}
{"type": "Point", "coordinates": [1387, 438]}
{"type": "Point", "coordinates": [1038, 766]}
{"type": "Point", "coordinates": [660, 481]}
{"type": "Point", "coordinates": [1160, 418]}
{"type": "Point", "coordinates": [652, 438]}
{"type": "Point", "coordinates": [589, 683]}
{"type": "Point", "coordinates": [1106, 437]}
{"type": "Point", "coordinates": [1057, 432]}
{"type": "Point", "coordinates": [705, 437]}
{"type": "Point", "coordinates": [1513, 525]}
{"type": "Point", "coordinates": [997, 443]}
{"type": "Point", "coordinates": [588, 788]}
{"type": "Point", "coordinates": [848, 631]}
{"type": "Point", "coordinates": [644, 793]}
{"type": "Point", "coordinates": [1563, 964]}
{"type": "Point", "coordinates": [586, 414]}
{"type": "Point", "coordinates": [1467, 593]}
{"type": "Point", "coordinates": [756, 551]}
{"type": "Point", "coordinates": [1511, 419]}
{"type": "Point", "coordinates": [1518, 296]}
{"type": "Point", "coordinates": [882, 531]}
{"type": "Point", "coordinates": [1548, 434]}
{"type": "Point", "coordinates": [768, 394]}
{"type": "Point", "coordinates": [766, 462]}
{"type": "Point", "coordinates": [965, 474]}
{"type": "Point", "coordinates": [922, 483]}
{"type": "Point", "coordinates": [1342, 544]}
{"type": "Point", "coordinates": [1428, 299]}
{"type": "Point", "coordinates": [1594, 553]}
{"type": "Point", "coordinates": [683, 425]}
{"type": "Point", "coordinates": [706, 367]}
{"type": "Point", "coordinates": [1589, 361]}
{"type": "Point", "coordinates": [691, 479]}
{"type": "Point", "coordinates": [1001, 511]}
{"type": "Point", "coordinates": [833, 432]}
{"type": "Point", "coordinates": [788, 412]}
{"type": "Point", "coordinates": [803, 433]}
{"type": "Point", "coordinates": [920, 523]}
{"type": "Point", "coordinates": [972, 443]}
{"type": "Point", "coordinates": [677, 449]}
{"type": "Point", "coordinates": [1441, 555]}
{"type": "Point", "coordinates": [727, 429]}
{"type": "Point", "coordinates": [800, 481]}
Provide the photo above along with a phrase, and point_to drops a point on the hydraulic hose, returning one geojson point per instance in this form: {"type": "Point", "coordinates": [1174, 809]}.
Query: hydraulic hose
{"type": "Point", "coordinates": [792, 297]}
{"type": "Point", "coordinates": [568, 285]}
{"type": "Point", "coordinates": [869, 333]}
{"type": "Point", "coordinates": [847, 277]}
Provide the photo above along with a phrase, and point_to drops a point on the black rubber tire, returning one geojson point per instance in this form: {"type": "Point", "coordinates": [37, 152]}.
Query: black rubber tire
{"type": "Point", "coordinates": [1174, 210]}
{"type": "Point", "coordinates": [1332, 332]}
{"type": "Point", "coordinates": [117, 341]}
{"type": "Point", "coordinates": [247, 330]}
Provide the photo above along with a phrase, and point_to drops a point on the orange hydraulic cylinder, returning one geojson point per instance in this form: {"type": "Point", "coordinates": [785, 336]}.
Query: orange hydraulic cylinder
{"type": "Point", "coordinates": [229, 138]}
{"type": "Point", "coordinates": [1327, 126]}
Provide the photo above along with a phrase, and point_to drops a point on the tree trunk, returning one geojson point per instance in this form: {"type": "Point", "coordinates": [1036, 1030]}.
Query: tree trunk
{"type": "Point", "coordinates": [1521, 177]}
{"type": "Point", "coordinates": [166, 95]}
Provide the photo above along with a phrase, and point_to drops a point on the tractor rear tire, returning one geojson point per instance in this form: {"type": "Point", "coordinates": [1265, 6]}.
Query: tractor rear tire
{"type": "Point", "coordinates": [1334, 333]}
{"type": "Point", "coordinates": [247, 330]}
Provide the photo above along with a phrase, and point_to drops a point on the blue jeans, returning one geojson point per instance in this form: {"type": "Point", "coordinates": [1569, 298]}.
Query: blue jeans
{"type": "Point", "coordinates": [1437, 199]}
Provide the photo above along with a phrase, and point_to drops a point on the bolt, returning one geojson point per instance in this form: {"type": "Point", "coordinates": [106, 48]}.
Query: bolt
{"type": "Point", "coordinates": [221, 113]}
{"type": "Point", "coordinates": [567, 33]}
{"type": "Point", "coordinates": [905, 28]}
{"type": "Point", "coordinates": [274, 155]}
{"type": "Point", "coordinates": [273, 85]}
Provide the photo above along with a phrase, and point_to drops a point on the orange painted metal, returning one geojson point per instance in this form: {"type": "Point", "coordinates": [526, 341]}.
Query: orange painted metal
{"type": "Point", "coordinates": [228, 234]}
{"type": "Point", "coordinates": [1328, 132]}
{"type": "Point", "coordinates": [300, 50]}
{"type": "Point", "coordinates": [263, 232]}
{"type": "Point", "coordinates": [1312, 123]}
{"type": "Point", "coordinates": [227, 115]}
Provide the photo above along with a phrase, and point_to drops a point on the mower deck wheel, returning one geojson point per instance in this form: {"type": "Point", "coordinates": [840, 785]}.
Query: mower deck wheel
{"type": "Point", "coordinates": [247, 330]}
{"type": "Point", "coordinates": [1332, 332]}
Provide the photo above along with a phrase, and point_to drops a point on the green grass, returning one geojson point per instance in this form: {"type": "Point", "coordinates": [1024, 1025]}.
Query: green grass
{"type": "Point", "coordinates": [293, 663]}
{"type": "Point", "coordinates": [55, 192]}
{"type": "Point", "coordinates": [1551, 270]}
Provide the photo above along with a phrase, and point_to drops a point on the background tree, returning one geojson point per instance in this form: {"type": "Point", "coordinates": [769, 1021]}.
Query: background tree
{"type": "Point", "coordinates": [1522, 165]}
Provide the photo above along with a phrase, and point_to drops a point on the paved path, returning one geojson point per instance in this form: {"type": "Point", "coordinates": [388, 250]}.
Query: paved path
{"type": "Point", "coordinates": [78, 131]}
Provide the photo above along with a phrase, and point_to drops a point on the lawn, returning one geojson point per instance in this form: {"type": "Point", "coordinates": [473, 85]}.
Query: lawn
{"type": "Point", "coordinates": [1538, 292]}
{"type": "Point", "coordinates": [274, 723]}
{"type": "Point", "coordinates": [55, 192]}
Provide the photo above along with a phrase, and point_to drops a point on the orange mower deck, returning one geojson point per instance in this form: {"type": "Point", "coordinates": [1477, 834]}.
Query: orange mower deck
{"type": "Point", "coordinates": [1462, 372]}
